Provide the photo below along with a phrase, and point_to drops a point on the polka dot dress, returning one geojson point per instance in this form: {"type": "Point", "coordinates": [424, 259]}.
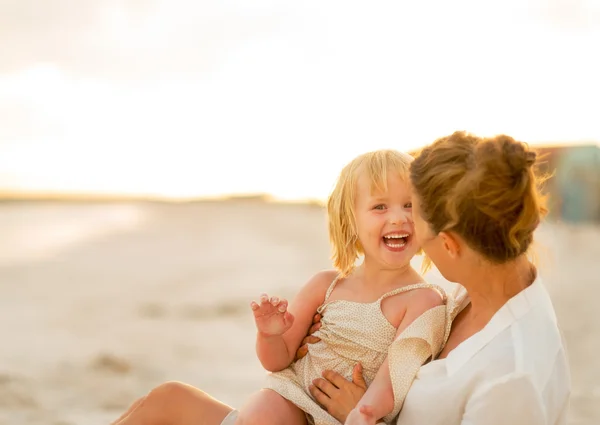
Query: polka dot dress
{"type": "Point", "coordinates": [353, 332]}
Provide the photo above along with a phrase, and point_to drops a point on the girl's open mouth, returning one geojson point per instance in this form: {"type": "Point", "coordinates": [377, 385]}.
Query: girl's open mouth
{"type": "Point", "coordinates": [396, 240]}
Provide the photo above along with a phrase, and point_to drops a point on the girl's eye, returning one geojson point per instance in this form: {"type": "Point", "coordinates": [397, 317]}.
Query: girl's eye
{"type": "Point", "coordinates": [379, 207]}
{"type": "Point", "coordinates": [408, 206]}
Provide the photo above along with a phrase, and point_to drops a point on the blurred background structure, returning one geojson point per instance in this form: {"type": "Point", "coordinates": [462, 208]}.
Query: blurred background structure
{"type": "Point", "coordinates": [163, 162]}
{"type": "Point", "coordinates": [574, 186]}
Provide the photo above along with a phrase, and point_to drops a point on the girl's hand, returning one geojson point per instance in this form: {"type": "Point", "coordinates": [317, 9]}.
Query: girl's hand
{"type": "Point", "coordinates": [362, 415]}
{"type": "Point", "coordinates": [271, 316]}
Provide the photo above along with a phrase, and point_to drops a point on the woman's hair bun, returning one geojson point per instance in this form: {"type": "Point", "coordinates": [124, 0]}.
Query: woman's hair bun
{"type": "Point", "coordinates": [517, 155]}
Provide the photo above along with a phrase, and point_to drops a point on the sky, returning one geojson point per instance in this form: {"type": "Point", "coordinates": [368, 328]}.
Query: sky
{"type": "Point", "coordinates": [214, 97]}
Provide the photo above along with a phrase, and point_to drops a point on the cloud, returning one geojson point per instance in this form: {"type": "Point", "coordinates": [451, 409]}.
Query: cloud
{"type": "Point", "coordinates": [199, 96]}
{"type": "Point", "coordinates": [124, 39]}
{"type": "Point", "coordinates": [573, 15]}
{"type": "Point", "coordinates": [148, 39]}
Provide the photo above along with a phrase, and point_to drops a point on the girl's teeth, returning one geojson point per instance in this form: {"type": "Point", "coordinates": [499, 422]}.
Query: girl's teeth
{"type": "Point", "coordinates": [396, 240]}
{"type": "Point", "coordinates": [395, 245]}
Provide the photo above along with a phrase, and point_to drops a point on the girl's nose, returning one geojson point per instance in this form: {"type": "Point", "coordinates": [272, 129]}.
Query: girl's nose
{"type": "Point", "coordinates": [399, 217]}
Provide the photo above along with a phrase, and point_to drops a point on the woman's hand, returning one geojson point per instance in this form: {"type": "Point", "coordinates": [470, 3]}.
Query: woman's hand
{"type": "Point", "coordinates": [337, 395]}
{"type": "Point", "coordinates": [309, 339]}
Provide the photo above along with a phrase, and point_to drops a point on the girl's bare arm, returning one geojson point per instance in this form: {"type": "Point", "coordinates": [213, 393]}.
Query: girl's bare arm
{"type": "Point", "coordinates": [277, 352]}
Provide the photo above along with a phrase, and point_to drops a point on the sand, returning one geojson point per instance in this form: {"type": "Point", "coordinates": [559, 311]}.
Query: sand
{"type": "Point", "coordinates": [99, 302]}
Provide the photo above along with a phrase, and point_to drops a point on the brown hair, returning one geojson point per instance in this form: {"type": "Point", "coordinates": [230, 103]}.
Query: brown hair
{"type": "Point", "coordinates": [483, 189]}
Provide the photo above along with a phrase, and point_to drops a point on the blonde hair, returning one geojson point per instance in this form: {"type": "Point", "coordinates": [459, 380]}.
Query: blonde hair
{"type": "Point", "coordinates": [376, 166]}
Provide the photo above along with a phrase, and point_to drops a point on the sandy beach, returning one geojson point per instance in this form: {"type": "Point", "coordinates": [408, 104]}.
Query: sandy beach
{"type": "Point", "coordinates": [99, 302]}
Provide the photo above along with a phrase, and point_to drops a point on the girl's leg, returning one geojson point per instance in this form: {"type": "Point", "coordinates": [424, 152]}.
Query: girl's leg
{"type": "Point", "coordinates": [267, 407]}
{"type": "Point", "coordinates": [175, 403]}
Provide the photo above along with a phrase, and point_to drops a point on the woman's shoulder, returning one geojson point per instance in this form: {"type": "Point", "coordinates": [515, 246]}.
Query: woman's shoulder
{"type": "Point", "coordinates": [522, 339]}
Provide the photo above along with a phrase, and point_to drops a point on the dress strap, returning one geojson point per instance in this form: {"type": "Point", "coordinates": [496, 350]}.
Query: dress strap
{"type": "Point", "coordinates": [408, 288]}
{"type": "Point", "coordinates": [331, 287]}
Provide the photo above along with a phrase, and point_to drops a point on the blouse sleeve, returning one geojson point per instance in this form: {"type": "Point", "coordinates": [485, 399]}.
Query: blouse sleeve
{"type": "Point", "coordinates": [420, 341]}
{"type": "Point", "coordinates": [513, 400]}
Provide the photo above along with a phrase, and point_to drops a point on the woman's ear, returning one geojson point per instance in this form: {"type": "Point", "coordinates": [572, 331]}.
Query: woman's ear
{"type": "Point", "coordinates": [451, 244]}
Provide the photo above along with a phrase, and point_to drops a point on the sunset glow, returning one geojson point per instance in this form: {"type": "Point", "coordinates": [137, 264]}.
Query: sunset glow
{"type": "Point", "coordinates": [275, 99]}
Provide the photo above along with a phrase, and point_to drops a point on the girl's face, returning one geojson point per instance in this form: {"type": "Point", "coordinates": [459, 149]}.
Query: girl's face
{"type": "Point", "coordinates": [384, 223]}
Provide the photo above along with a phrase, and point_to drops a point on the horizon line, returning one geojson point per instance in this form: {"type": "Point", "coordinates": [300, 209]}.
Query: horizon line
{"type": "Point", "coordinates": [7, 195]}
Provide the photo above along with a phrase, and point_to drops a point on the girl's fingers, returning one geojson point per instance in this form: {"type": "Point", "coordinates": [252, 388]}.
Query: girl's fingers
{"type": "Point", "coordinates": [289, 319]}
{"type": "Point", "coordinates": [282, 306]}
{"type": "Point", "coordinates": [367, 410]}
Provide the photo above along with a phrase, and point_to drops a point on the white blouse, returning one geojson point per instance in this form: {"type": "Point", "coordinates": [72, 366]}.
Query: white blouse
{"type": "Point", "coordinates": [514, 372]}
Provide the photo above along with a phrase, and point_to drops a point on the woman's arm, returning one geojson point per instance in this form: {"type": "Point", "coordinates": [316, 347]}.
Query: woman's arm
{"type": "Point", "coordinates": [276, 352]}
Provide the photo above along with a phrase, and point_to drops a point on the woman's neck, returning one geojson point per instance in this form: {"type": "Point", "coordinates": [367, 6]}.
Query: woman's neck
{"type": "Point", "coordinates": [491, 286]}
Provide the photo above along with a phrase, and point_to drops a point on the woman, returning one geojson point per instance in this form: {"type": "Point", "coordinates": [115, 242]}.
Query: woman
{"type": "Point", "coordinates": [476, 206]}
